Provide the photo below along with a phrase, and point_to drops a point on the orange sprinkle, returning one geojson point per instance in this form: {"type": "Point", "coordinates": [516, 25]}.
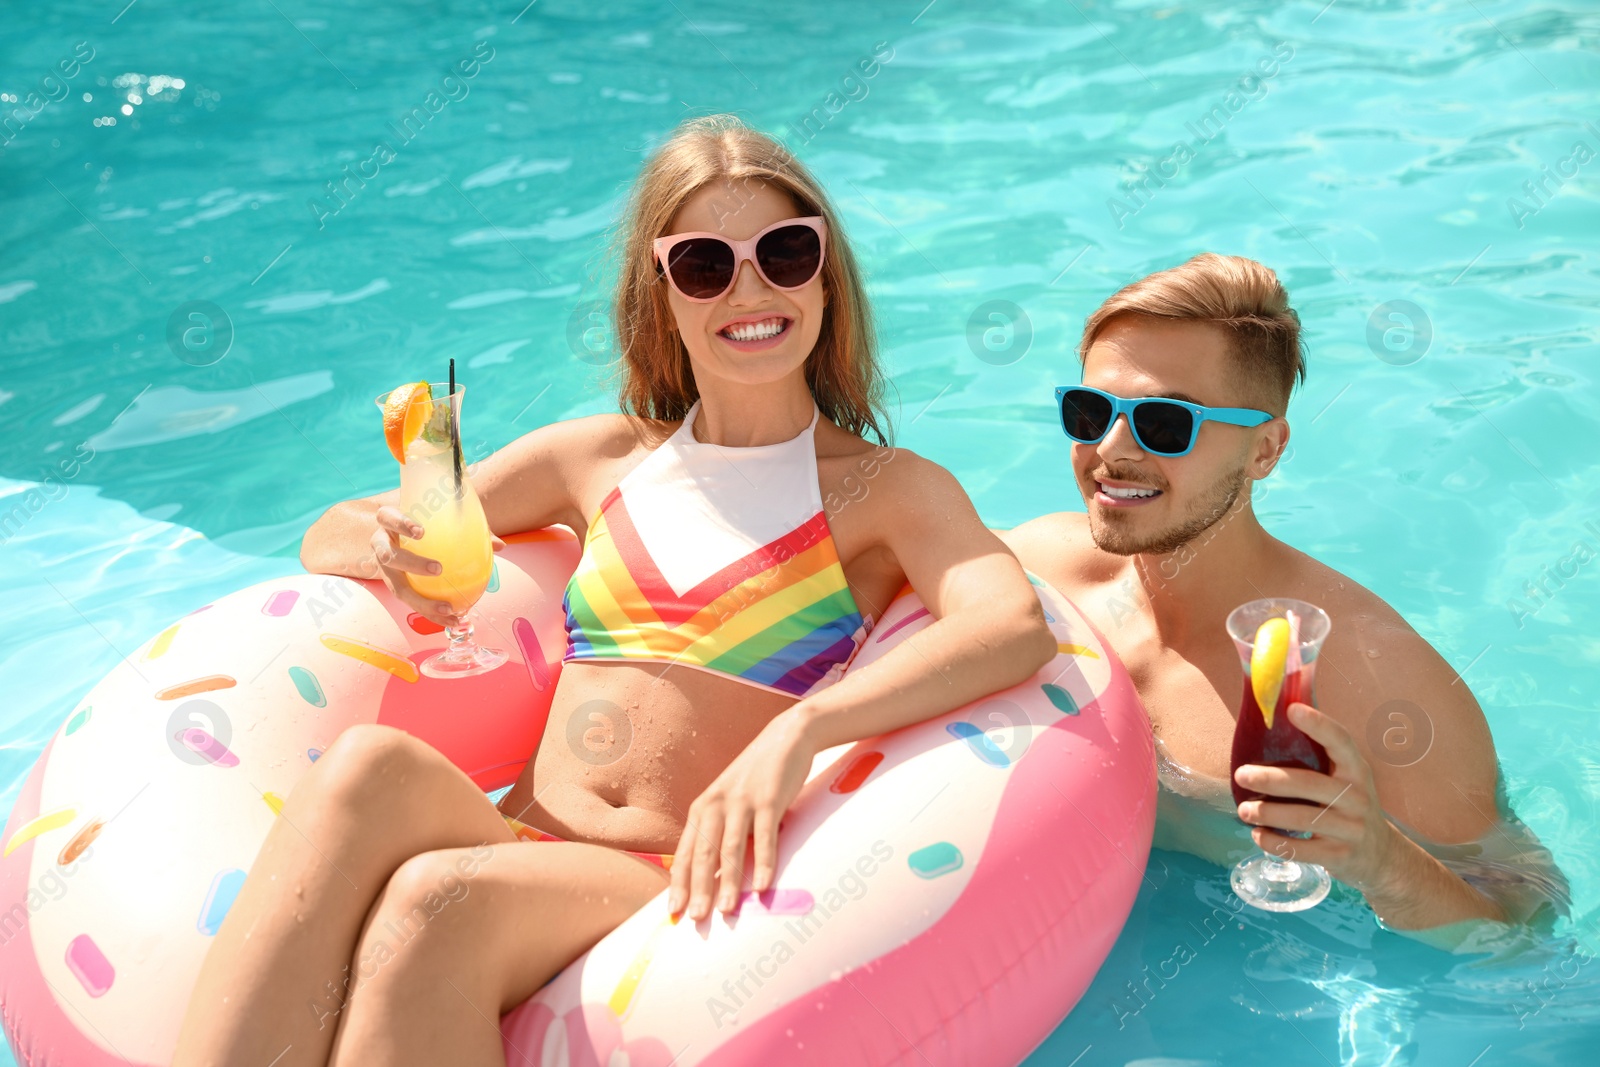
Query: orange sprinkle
{"type": "Point", "coordinates": [80, 841]}
{"type": "Point", "coordinates": [197, 685]}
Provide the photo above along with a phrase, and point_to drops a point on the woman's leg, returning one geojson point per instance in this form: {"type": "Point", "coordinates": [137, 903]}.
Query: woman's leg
{"type": "Point", "coordinates": [462, 935]}
{"type": "Point", "coordinates": [272, 982]}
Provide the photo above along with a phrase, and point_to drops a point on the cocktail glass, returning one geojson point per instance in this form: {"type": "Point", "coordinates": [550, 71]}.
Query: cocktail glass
{"type": "Point", "coordinates": [1267, 881]}
{"type": "Point", "coordinates": [441, 500]}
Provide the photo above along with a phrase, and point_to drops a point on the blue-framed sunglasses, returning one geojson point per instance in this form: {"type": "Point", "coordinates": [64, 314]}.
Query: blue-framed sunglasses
{"type": "Point", "coordinates": [1160, 426]}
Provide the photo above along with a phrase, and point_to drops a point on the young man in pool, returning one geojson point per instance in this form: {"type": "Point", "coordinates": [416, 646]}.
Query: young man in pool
{"type": "Point", "coordinates": [1170, 545]}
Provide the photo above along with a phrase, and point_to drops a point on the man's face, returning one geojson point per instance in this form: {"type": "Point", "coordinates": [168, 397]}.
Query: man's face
{"type": "Point", "coordinates": [1142, 502]}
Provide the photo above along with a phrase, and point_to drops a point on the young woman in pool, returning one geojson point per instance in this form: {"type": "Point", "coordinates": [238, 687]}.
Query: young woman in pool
{"type": "Point", "coordinates": [715, 605]}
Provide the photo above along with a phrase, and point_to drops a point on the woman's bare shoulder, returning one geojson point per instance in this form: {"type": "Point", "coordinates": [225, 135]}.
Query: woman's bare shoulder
{"type": "Point", "coordinates": [608, 435]}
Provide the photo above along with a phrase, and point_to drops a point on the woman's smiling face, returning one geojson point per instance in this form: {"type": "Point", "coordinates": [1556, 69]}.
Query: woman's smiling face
{"type": "Point", "coordinates": [753, 333]}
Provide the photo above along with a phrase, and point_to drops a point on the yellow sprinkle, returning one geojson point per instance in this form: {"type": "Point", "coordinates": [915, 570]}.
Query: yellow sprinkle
{"type": "Point", "coordinates": [162, 642]}
{"type": "Point", "coordinates": [383, 659]}
{"type": "Point", "coordinates": [1077, 650]}
{"type": "Point", "coordinates": [274, 801]}
{"type": "Point", "coordinates": [43, 824]}
{"type": "Point", "coordinates": [622, 996]}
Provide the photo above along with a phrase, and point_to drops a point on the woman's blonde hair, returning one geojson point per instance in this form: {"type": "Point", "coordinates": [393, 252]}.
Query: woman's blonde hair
{"type": "Point", "coordinates": [1242, 297]}
{"type": "Point", "coordinates": [657, 380]}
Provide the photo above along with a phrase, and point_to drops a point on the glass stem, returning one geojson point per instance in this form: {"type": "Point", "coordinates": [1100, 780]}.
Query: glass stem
{"type": "Point", "coordinates": [460, 637]}
{"type": "Point", "coordinates": [1278, 869]}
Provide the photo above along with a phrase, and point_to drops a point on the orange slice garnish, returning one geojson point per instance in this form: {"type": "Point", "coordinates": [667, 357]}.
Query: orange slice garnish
{"type": "Point", "coordinates": [405, 413]}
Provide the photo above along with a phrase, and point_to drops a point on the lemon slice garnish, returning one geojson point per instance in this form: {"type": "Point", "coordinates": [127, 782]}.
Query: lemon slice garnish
{"type": "Point", "coordinates": [1267, 661]}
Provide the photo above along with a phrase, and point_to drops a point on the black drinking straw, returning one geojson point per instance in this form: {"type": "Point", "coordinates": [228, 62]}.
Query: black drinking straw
{"type": "Point", "coordinates": [455, 429]}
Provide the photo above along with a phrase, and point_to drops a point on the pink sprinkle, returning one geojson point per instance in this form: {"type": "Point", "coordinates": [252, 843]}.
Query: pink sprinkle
{"type": "Point", "coordinates": [280, 603]}
{"type": "Point", "coordinates": [913, 617]}
{"type": "Point", "coordinates": [89, 965]}
{"type": "Point", "coordinates": [779, 901]}
{"type": "Point", "coordinates": [197, 740]}
{"type": "Point", "coordinates": [532, 654]}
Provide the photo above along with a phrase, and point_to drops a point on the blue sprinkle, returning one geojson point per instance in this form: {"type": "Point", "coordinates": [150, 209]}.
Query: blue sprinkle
{"type": "Point", "coordinates": [980, 744]}
{"type": "Point", "coordinates": [933, 860]}
{"type": "Point", "coordinates": [224, 890]}
{"type": "Point", "coordinates": [1061, 698]}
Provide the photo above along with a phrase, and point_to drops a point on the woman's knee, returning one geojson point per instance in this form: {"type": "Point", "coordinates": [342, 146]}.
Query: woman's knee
{"type": "Point", "coordinates": [365, 762]}
{"type": "Point", "coordinates": [428, 894]}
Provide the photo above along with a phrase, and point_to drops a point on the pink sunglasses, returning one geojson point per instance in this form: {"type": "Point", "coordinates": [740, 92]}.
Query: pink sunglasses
{"type": "Point", "coordinates": [702, 266]}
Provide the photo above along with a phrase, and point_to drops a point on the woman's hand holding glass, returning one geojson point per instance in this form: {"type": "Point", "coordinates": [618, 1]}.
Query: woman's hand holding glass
{"type": "Point", "coordinates": [394, 562]}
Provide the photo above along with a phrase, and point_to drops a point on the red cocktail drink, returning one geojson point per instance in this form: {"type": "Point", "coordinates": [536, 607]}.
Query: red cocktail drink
{"type": "Point", "coordinates": [1278, 640]}
{"type": "Point", "coordinates": [1283, 744]}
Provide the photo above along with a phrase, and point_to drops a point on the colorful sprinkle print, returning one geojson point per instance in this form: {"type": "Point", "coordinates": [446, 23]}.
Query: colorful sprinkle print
{"type": "Point", "coordinates": [777, 901]}
{"type": "Point", "coordinates": [274, 801]}
{"type": "Point", "coordinates": [313, 754]}
{"type": "Point", "coordinates": [224, 890]}
{"type": "Point", "coordinates": [628, 984]}
{"type": "Point", "coordinates": [494, 578]}
{"type": "Point", "coordinates": [196, 685]}
{"type": "Point", "coordinates": [1060, 698]}
{"type": "Point", "coordinates": [280, 603]}
{"type": "Point", "coordinates": [980, 744]}
{"type": "Point", "coordinates": [373, 656]}
{"type": "Point", "coordinates": [532, 654]}
{"type": "Point", "coordinates": [41, 825]}
{"type": "Point", "coordinates": [856, 772]}
{"type": "Point", "coordinates": [884, 635]}
{"type": "Point", "coordinates": [80, 841]}
{"type": "Point", "coordinates": [89, 965]}
{"type": "Point", "coordinates": [1077, 650]}
{"type": "Point", "coordinates": [163, 641]}
{"type": "Point", "coordinates": [201, 743]}
{"type": "Point", "coordinates": [931, 861]}
{"type": "Point", "coordinates": [306, 684]}
{"type": "Point", "coordinates": [421, 625]}
{"type": "Point", "coordinates": [80, 717]}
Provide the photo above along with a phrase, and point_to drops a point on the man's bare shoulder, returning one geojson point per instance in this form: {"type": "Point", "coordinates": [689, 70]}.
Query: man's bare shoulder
{"type": "Point", "coordinates": [1059, 548]}
{"type": "Point", "coordinates": [1413, 716]}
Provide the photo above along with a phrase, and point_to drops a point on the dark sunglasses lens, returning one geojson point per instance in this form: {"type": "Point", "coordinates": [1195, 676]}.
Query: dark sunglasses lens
{"type": "Point", "coordinates": [1086, 416]}
{"type": "Point", "coordinates": [701, 267]}
{"type": "Point", "coordinates": [1163, 427]}
{"type": "Point", "coordinates": [790, 255]}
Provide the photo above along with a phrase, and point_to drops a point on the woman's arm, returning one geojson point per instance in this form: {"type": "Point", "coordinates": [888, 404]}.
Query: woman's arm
{"type": "Point", "coordinates": [523, 486]}
{"type": "Point", "coordinates": [989, 633]}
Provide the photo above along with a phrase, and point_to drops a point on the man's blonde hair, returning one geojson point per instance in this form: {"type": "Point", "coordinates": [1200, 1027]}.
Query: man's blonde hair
{"type": "Point", "coordinates": [1238, 295]}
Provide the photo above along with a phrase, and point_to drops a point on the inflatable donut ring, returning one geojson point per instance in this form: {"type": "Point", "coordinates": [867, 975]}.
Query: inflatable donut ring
{"type": "Point", "coordinates": [945, 892]}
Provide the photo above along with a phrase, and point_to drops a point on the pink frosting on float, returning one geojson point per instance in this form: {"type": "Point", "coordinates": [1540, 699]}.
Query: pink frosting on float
{"type": "Point", "coordinates": [598, 1040]}
{"type": "Point", "coordinates": [949, 992]}
{"type": "Point", "coordinates": [40, 1033]}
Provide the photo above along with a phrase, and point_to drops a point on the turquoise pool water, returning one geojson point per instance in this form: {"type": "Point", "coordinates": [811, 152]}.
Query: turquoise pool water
{"type": "Point", "coordinates": [1445, 458]}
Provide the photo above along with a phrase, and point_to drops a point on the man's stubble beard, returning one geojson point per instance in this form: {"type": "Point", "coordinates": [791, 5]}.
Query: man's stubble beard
{"type": "Point", "coordinates": [1208, 510]}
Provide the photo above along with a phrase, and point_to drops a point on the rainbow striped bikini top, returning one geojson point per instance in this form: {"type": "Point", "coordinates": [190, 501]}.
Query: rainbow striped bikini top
{"type": "Point", "coordinates": [721, 559]}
